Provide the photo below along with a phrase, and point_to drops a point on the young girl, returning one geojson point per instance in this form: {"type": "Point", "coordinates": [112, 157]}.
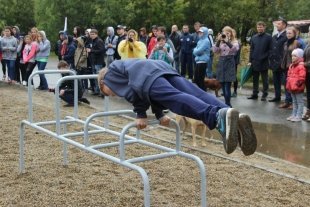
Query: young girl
{"type": "Point", "coordinates": [162, 51]}
{"type": "Point", "coordinates": [227, 47]}
{"type": "Point", "coordinates": [29, 54]}
{"type": "Point", "coordinates": [295, 84]}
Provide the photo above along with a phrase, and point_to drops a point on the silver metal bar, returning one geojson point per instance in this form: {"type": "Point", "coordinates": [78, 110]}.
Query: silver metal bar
{"type": "Point", "coordinates": [112, 144]}
{"type": "Point", "coordinates": [30, 87]}
{"type": "Point", "coordinates": [152, 157]}
{"type": "Point", "coordinates": [142, 172]}
{"type": "Point", "coordinates": [21, 147]}
{"type": "Point", "coordinates": [101, 114]}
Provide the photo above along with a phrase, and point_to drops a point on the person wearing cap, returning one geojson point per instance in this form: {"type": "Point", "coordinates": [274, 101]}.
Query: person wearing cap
{"type": "Point", "coordinates": [131, 47]}
{"type": "Point", "coordinates": [96, 53]}
{"type": "Point", "coordinates": [120, 29]}
{"type": "Point", "coordinates": [202, 56]}
{"type": "Point", "coordinates": [275, 58]}
{"type": "Point", "coordinates": [295, 84]}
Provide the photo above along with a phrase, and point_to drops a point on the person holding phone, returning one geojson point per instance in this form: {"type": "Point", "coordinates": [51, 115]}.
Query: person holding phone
{"type": "Point", "coordinates": [162, 51]}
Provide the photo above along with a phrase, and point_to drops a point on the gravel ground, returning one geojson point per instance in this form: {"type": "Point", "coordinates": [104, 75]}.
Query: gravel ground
{"type": "Point", "coordinates": [92, 181]}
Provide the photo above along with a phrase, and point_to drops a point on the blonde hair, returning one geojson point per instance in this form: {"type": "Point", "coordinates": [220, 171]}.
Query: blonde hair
{"type": "Point", "coordinates": [134, 32]}
{"type": "Point", "coordinates": [231, 31]}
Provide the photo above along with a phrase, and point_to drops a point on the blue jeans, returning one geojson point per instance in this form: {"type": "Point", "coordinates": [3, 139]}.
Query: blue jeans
{"type": "Point", "coordinates": [96, 69]}
{"type": "Point", "coordinates": [10, 64]}
{"type": "Point", "coordinates": [226, 91]}
{"type": "Point", "coordinates": [43, 81]}
{"type": "Point", "coordinates": [186, 99]}
{"type": "Point", "coordinates": [298, 104]}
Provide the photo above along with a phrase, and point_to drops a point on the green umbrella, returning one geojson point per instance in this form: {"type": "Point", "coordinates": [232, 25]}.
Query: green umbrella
{"type": "Point", "coordinates": [245, 75]}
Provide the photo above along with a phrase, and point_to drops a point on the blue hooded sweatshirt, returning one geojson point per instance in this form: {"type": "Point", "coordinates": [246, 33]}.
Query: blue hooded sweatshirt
{"type": "Point", "coordinates": [203, 48]}
{"type": "Point", "coordinates": [133, 78]}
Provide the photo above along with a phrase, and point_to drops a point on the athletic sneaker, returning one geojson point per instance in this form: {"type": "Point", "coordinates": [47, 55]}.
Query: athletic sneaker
{"type": "Point", "coordinates": [247, 139]}
{"type": "Point", "coordinates": [296, 119]}
{"type": "Point", "coordinates": [227, 125]}
{"type": "Point", "coordinates": [24, 83]}
{"type": "Point", "coordinates": [290, 118]}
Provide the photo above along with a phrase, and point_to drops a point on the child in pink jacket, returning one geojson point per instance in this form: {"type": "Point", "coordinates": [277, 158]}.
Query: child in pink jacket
{"type": "Point", "coordinates": [29, 54]}
{"type": "Point", "coordinates": [295, 84]}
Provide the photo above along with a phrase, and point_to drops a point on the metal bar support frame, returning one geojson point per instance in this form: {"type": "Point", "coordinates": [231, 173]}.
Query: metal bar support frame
{"type": "Point", "coordinates": [90, 129]}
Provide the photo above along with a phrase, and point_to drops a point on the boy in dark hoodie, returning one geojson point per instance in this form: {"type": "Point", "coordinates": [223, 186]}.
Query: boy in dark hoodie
{"type": "Point", "coordinates": [66, 89]}
{"type": "Point", "coordinates": [155, 83]}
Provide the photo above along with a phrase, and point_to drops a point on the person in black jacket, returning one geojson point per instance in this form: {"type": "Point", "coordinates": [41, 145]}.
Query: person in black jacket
{"type": "Point", "coordinates": [275, 58]}
{"type": "Point", "coordinates": [120, 29]}
{"type": "Point", "coordinates": [259, 54]}
{"type": "Point", "coordinates": [96, 53]}
{"type": "Point", "coordinates": [66, 89]}
{"type": "Point", "coordinates": [175, 38]}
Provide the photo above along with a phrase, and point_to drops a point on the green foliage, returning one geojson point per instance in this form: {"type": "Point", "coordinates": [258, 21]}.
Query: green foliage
{"type": "Point", "coordinates": [240, 14]}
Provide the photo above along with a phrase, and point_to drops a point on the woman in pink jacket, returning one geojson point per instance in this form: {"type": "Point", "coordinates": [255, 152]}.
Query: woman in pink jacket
{"type": "Point", "coordinates": [29, 54]}
{"type": "Point", "coordinates": [295, 84]}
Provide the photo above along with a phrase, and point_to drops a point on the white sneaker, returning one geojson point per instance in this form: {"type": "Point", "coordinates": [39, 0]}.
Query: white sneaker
{"type": "Point", "coordinates": [190, 80]}
{"type": "Point", "coordinates": [290, 118]}
{"type": "Point", "coordinates": [296, 119]}
{"type": "Point", "coordinates": [24, 83]}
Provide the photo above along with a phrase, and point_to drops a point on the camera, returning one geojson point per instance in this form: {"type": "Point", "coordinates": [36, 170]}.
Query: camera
{"type": "Point", "coordinates": [223, 35]}
{"type": "Point", "coordinates": [130, 39]}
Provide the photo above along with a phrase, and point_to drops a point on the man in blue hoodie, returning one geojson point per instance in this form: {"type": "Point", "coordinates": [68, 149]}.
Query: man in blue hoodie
{"type": "Point", "coordinates": [155, 83]}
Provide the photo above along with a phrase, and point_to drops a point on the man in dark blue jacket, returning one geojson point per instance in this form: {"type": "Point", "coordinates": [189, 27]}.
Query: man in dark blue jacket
{"type": "Point", "coordinates": [259, 54]}
{"type": "Point", "coordinates": [276, 57]}
{"type": "Point", "coordinates": [187, 46]}
{"type": "Point", "coordinates": [155, 83]}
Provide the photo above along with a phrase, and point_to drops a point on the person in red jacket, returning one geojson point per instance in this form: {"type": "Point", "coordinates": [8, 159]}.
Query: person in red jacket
{"type": "Point", "coordinates": [295, 84]}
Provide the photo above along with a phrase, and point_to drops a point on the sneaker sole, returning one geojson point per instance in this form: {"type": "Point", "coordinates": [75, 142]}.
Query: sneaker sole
{"type": "Point", "coordinates": [248, 142]}
{"type": "Point", "coordinates": [231, 142]}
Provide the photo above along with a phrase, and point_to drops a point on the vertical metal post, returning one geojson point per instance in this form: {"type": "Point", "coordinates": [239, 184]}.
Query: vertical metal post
{"type": "Point", "coordinates": [75, 98]}
{"type": "Point", "coordinates": [65, 147]}
{"type": "Point", "coordinates": [21, 147]}
{"type": "Point", "coordinates": [106, 108]}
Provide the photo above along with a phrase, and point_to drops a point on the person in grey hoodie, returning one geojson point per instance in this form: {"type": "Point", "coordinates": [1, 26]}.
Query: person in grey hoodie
{"type": "Point", "coordinates": [110, 45]}
{"type": "Point", "coordinates": [43, 52]}
{"type": "Point", "coordinates": [9, 52]}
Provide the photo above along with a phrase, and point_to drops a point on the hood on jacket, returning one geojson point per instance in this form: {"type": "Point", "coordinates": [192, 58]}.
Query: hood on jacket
{"type": "Point", "coordinates": [111, 30]}
{"type": "Point", "coordinates": [136, 34]}
{"type": "Point", "coordinates": [17, 31]}
{"type": "Point", "coordinates": [42, 33]}
{"type": "Point", "coordinates": [205, 32]}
